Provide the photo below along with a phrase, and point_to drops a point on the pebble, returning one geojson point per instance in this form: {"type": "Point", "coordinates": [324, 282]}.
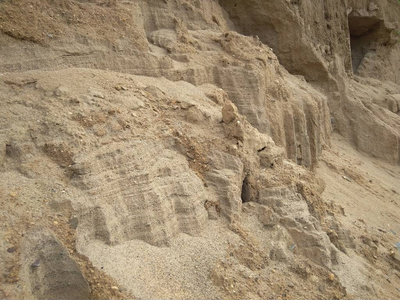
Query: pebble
{"type": "Point", "coordinates": [73, 223]}
{"type": "Point", "coordinates": [331, 277]}
{"type": "Point", "coordinates": [115, 288]}
{"type": "Point", "coordinates": [36, 263]}
{"type": "Point", "coordinates": [97, 94]}
{"type": "Point", "coordinates": [347, 178]}
{"type": "Point", "coordinates": [120, 88]}
{"type": "Point", "coordinates": [12, 249]}
{"type": "Point", "coordinates": [395, 256]}
{"type": "Point", "coordinates": [55, 223]}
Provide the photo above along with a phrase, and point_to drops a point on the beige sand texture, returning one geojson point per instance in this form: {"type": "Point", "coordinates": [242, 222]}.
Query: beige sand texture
{"type": "Point", "coordinates": [185, 149]}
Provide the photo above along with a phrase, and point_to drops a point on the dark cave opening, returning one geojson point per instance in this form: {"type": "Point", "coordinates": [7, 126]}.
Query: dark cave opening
{"type": "Point", "coordinates": [246, 190]}
{"type": "Point", "coordinates": [364, 33]}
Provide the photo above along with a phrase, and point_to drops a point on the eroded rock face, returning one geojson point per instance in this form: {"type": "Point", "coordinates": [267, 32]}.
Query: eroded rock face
{"type": "Point", "coordinates": [225, 179]}
{"type": "Point", "coordinates": [301, 225]}
{"type": "Point", "coordinates": [230, 90]}
{"type": "Point", "coordinates": [332, 40]}
{"type": "Point", "coordinates": [191, 41]}
{"type": "Point", "coordinates": [181, 40]}
{"type": "Point", "coordinates": [283, 30]}
{"type": "Point", "coordinates": [374, 34]}
{"type": "Point", "coordinates": [138, 190]}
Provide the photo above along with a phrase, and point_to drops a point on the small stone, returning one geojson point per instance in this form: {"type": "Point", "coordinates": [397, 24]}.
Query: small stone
{"type": "Point", "coordinates": [229, 112]}
{"type": "Point", "coordinates": [347, 178]}
{"type": "Point", "coordinates": [55, 223]}
{"type": "Point", "coordinates": [136, 103]}
{"type": "Point", "coordinates": [100, 131]}
{"type": "Point", "coordinates": [61, 91]}
{"type": "Point", "coordinates": [331, 277]}
{"type": "Point", "coordinates": [13, 194]}
{"type": "Point", "coordinates": [12, 249]}
{"type": "Point", "coordinates": [120, 88]}
{"type": "Point", "coordinates": [115, 288]}
{"type": "Point", "coordinates": [73, 223]}
{"type": "Point", "coordinates": [36, 263]}
{"type": "Point", "coordinates": [396, 256]}
{"type": "Point", "coordinates": [97, 94]}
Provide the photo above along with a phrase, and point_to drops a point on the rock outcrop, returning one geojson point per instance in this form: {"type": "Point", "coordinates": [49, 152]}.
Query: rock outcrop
{"type": "Point", "coordinates": [49, 270]}
{"type": "Point", "coordinates": [183, 135]}
{"type": "Point", "coordinates": [138, 190]}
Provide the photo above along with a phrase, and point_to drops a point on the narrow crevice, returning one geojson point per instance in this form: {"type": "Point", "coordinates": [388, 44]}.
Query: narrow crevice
{"type": "Point", "coordinates": [246, 190]}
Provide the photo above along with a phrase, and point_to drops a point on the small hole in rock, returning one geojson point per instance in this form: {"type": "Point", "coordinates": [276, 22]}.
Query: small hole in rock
{"type": "Point", "coordinates": [246, 190]}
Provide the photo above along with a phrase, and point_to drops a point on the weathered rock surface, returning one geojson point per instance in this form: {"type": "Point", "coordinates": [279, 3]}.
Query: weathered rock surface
{"type": "Point", "coordinates": [138, 190]}
{"type": "Point", "coordinates": [338, 40]}
{"type": "Point", "coordinates": [375, 39]}
{"type": "Point", "coordinates": [225, 178]}
{"type": "Point", "coordinates": [48, 268]}
{"type": "Point", "coordinates": [301, 225]}
{"type": "Point", "coordinates": [182, 49]}
{"type": "Point", "coordinates": [172, 144]}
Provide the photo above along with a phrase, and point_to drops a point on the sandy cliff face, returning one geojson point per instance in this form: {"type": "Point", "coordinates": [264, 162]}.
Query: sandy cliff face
{"type": "Point", "coordinates": [169, 149]}
{"type": "Point", "coordinates": [192, 43]}
{"type": "Point", "coordinates": [334, 40]}
{"type": "Point", "coordinates": [374, 39]}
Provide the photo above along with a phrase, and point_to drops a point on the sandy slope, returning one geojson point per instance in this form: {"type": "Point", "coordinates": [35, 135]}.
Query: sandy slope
{"type": "Point", "coordinates": [373, 192]}
{"type": "Point", "coordinates": [367, 192]}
